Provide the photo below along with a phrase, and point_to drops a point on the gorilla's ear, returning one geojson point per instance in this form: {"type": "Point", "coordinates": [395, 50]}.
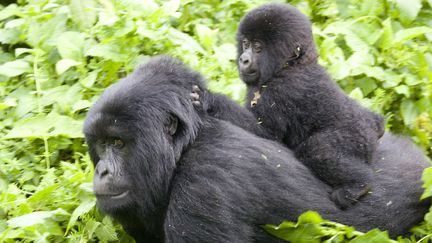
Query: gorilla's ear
{"type": "Point", "coordinates": [172, 126]}
{"type": "Point", "coordinates": [297, 51]}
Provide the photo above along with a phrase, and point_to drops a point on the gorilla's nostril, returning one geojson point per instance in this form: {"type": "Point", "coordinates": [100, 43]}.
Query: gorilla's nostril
{"type": "Point", "coordinates": [101, 170]}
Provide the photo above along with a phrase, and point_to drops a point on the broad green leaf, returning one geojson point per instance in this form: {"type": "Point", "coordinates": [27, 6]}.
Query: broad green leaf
{"type": "Point", "coordinates": [9, 11]}
{"type": "Point", "coordinates": [80, 105]}
{"type": "Point", "coordinates": [185, 41]}
{"type": "Point", "coordinates": [387, 37]}
{"type": "Point", "coordinates": [360, 58]}
{"type": "Point", "coordinates": [206, 36]}
{"type": "Point", "coordinates": [140, 8]}
{"type": "Point", "coordinates": [15, 23]}
{"type": "Point", "coordinates": [170, 7]}
{"type": "Point", "coordinates": [90, 79]}
{"type": "Point", "coordinates": [403, 89]}
{"type": "Point", "coordinates": [339, 70]}
{"type": "Point", "coordinates": [9, 36]}
{"type": "Point", "coordinates": [83, 12]}
{"type": "Point", "coordinates": [306, 230]}
{"type": "Point", "coordinates": [83, 208]}
{"type": "Point", "coordinates": [44, 36]}
{"type": "Point", "coordinates": [408, 34]}
{"type": "Point", "coordinates": [106, 231]}
{"type": "Point", "coordinates": [355, 42]}
{"type": "Point", "coordinates": [35, 218]}
{"type": "Point", "coordinates": [44, 194]}
{"type": "Point", "coordinates": [71, 45]}
{"type": "Point", "coordinates": [373, 236]}
{"type": "Point", "coordinates": [409, 112]}
{"type": "Point", "coordinates": [111, 52]}
{"type": "Point", "coordinates": [356, 94]}
{"type": "Point", "coordinates": [8, 102]}
{"type": "Point", "coordinates": [427, 184]}
{"type": "Point", "coordinates": [14, 68]}
{"type": "Point", "coordinates": [50, 125]}
{"type": "Point", "coordinates": [225, 54]}
{"type": "Point", "coordinates": [20, 51]}
{"type": "Point", "coordinates": [408, 9]}
{"type": "Point", "coordinates": [64, 64]}
{"type": "Point", "coordinates": [310, 217]}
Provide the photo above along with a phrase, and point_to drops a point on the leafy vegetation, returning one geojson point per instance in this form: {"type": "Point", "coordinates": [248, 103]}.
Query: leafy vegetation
{"type": "Point", "coordinates": [57, 56]}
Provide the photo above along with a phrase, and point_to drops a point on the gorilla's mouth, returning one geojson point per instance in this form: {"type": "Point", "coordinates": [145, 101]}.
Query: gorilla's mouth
{"type": "Point", "coordinates": [114, 196]}
{"type": "Point", "coordinates": [249, 73]}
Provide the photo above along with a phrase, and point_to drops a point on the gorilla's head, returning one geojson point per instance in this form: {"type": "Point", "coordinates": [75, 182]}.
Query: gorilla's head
{"type": "Point", "coordinates": [136, 133]}
{"type": "Point", "coordinates": [270, 38]}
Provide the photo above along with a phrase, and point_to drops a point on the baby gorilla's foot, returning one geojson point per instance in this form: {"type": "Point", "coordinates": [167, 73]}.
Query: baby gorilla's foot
{"type": "Point", "coordinates": [195, 96]}
{"type": "Point", "coordinates": [347, 196]}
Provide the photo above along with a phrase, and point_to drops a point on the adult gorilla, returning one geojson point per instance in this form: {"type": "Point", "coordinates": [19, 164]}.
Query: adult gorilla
{"type": "Point", "coordinates": [170, 174]}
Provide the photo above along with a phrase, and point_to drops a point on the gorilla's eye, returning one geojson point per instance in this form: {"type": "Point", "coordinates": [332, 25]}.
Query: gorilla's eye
{"type": "Point", "coordinates": [117, 143]}
{"type": "Point", "coordinates": [257, 46]}
{"type": "Point", "coordinates": [246, 44]}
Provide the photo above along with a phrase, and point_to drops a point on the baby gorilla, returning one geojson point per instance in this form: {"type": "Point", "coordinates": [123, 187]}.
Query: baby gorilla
{"type": "Point", "coordinates": [297, 103]}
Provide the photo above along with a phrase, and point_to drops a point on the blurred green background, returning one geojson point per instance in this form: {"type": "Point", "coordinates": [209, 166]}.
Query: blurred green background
{"type": "Point", "coordinates": [56, 57]}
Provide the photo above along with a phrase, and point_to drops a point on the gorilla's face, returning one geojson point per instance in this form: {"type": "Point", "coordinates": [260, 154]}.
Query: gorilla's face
{"type": "Point", "coordinates": [255, 63]}
{"type": "Point", "coordinates": [248, 62]}
{"type": "Point", "coordinates": [133, 156]}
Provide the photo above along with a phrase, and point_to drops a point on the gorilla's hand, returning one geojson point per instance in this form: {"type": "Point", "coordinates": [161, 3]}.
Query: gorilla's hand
{"type": "Point", "coordinates": [348, 195]}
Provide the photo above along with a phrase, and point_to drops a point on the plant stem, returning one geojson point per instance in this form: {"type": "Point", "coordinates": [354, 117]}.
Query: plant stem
{"type": "Point", "coordinates": [40, 110]}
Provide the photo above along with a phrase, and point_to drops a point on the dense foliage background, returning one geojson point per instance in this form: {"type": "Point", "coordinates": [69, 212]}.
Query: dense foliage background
{"type": "Point", "coordinates": [57, 56]}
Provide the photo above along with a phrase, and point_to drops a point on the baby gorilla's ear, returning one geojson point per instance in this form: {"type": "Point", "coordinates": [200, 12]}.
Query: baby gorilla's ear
{"type": "Point", "coordinates": [172, 125]}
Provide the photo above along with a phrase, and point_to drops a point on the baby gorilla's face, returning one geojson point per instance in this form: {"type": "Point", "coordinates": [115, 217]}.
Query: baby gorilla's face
{"type": "Point", "coordinates": [248, 62]}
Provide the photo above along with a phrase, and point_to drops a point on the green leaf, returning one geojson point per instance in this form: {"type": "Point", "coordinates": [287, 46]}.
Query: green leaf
{"type": "Point", "coordinates": [90, 79]}
{"type": "Point", "coordinates": [409, 112]}
{"type": "Point", "coordinates": [64, 64]}
{"type": "Point", "coordinates": [206, 36]}
{"type": "Point", "coordinates": [14, 68]}
{"type": "Point", "coordinates": [408, 9]}
{"type": "Point", "coordinates": [35, 218]}
{"type": "Point", "coordinates": [50, 125]}
{"type": "Point", "coordinates": [106, 231]}
{"type": "Point", "coordinates": [356, 94]}
{"type": "Point", "coordinates": [427, 183]}
{"type": "Point", "coordinates": [83, 208]}
{"type": "Point", "coordinates": [71, 45]}
{"type": "Point", "coordinates": [20, 51]}
{"type": "Point", "coordinates": [9, 11]}
{"type": "Point", "coordinates": [408, 34]}
{"type": "Point", "coordinates": [403, 89]}
{"type": "Point", "coordinates": [108, 51]}
{"type": "Point", "coordinates": [83, 12]}
{"type": "Point", "coordinates": [387, 36]}
{"type": "Point", "coordinates": [306, 230]}
{"type": "Point", "coordinates": [373, 236]}
{"type": "Point", "coordinates": [185, 41]}
{"type": "Point", "coordinates": [9, 36]}
{"type": "Point", "coordinates": [80, 105]}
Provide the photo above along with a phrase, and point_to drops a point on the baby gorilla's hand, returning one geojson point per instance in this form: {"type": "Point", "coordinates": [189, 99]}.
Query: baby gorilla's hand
{"type": "Point", "coordinates": [195, 96]}
{"type": "Point", "coordinates": [346, 196]}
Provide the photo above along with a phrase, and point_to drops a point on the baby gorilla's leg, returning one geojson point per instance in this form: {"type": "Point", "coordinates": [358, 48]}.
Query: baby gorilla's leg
{"type": "Point", "coordinates": [337, 161]}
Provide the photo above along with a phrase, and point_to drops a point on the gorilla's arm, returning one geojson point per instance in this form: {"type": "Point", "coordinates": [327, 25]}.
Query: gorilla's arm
{"type": "Point", "coordinates": [221, 107]}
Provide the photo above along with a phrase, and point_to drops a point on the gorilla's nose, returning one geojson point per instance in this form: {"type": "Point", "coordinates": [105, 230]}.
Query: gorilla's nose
{"type": "Point", "coordinates": [245, 61]}
{"type": "Point", "coordinates": [102, 170]}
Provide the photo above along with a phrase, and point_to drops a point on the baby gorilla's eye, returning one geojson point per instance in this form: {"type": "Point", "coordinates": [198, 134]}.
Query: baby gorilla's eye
{"type": "Point", "coordinates": [246, 44]}
{"type": "Point", "coordinates": [117, 143]}
{"type": "Point", "coordinates": [257, 46]}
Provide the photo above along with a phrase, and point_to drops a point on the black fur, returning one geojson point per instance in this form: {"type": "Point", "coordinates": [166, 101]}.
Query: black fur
{"type": "Point", "coordinates": [298, 104]}
{"type": "Point", "coordinates": [206, 180]}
